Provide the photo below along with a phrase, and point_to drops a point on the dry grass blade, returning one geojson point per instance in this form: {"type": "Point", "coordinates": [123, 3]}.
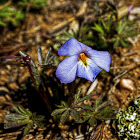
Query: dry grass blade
{"type": "Point", "coordinates": [98, 135]}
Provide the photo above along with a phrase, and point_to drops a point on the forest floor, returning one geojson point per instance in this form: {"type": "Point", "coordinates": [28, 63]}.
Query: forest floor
{"type": "Point", "coordinates": [121, 85]}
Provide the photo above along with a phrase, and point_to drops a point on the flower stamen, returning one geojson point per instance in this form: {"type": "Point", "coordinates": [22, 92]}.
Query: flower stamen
{"type": "Point", "coordinates": [83, 58]}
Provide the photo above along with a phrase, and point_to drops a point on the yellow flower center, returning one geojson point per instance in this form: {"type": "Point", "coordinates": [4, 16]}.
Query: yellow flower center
{"type": "Point", "coordinates": [83, 58]}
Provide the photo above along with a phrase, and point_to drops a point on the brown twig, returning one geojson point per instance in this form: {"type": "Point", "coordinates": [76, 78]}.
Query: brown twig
{"type": "Point", "coordinates": [122, 67]}
{"type": "Point", "coordinates": [13, 48]}
{"type": "Point", "coordinates": [132, 53]}
{"type": "Point", "coordinates": [5, 4]}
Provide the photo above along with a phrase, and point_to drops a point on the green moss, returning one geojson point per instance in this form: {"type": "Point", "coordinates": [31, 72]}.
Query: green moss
{"type": "Point", "coordinates": [128, 122]}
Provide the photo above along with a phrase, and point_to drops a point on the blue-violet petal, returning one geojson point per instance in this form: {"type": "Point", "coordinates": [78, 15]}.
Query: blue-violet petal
{"type": "Point", "coordinates": [70, 47]}
{"type": "Point", "coordinates": [85, 48]}
{"type": "Point", "coordinates": [95, 69]}
{"type": "Point", "coordinates": [66, 70]}
{"type": "Point", "coordinates": [101, 58]}
{"type": "Point", "coordinates": [88, 72]}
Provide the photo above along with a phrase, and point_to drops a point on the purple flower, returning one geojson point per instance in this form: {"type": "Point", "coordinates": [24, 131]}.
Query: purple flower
{"type": "Point", "coordinates": [83, 62]}
{"type": "Point", "coordinates": [130, 8]}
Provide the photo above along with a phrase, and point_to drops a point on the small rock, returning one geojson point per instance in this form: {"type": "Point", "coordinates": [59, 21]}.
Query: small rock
{"type": "Point", "coordinates": [82, 9]}
{"type": "Point", "coordinates": [137, 59]}
{"type": "Point", "coordinates": [127, 84]}
{"type": "Point", "coordinates": [2, 99]}
{"type": "Point", "coordinates": [74, 26]}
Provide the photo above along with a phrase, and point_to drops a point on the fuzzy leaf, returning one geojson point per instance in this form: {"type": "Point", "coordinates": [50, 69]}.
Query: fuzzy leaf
{"type": "Point", "coordinates": [29, 113]}
{"type": "Point", "coordinates": [50, 59]}
{"type": "Point", "coordinates": [75, 115]}
{"type": "Point", "coordinates": [27, 128]}
{"type": "Point", "coordinates": [92, 121]}
{"type": "Point", "coordinates": [98, 101]}
{"type": "Point", "coordinates": [39, 124]}
{"type": "Point", "coordinates": [103, 105]}
{"type": "Point", "coordinates": [107, 113]}
{"type": "Point", "coordinates": [77, 96]}
{"type": "Point", "coordinates": [64, 116]}
{"type": "Point", "coordinates": [39, 118]}
{"type": "Point", "coordinates": [14, 124]}
{"type": "Point", "coordinates": [47, 56]}
{"type": "Point", "coordinates": [63, 103]}
{"type": "Point", "coordinates": [20, 110]}
{"type": "Point", "coordinates": [85, 115]}
{"type": "Point", "coordinates": [14, 117]}
{"type": "Point", "coordinates": [83, 119]}
{"type": "Point", "coordinates": [39, 54]}
{"type": "Point", "coordinates": [86, 107]}
{"type": "Point", "coordinates": [58, 111]}
{"type": "Point", "coordinates": [85, 98]}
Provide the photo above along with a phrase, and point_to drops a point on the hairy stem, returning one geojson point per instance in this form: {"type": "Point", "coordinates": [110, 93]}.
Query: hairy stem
{"type": "Point", "coordinates": [71, 94]}
{"type": "Point", "coordinates": [41, 91]}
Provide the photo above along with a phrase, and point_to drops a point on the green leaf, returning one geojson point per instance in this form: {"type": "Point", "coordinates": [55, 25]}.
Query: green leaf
{"type": "Point", "coordinates": [58, 111]}
{"type": "Point", "coordinates": [87, 107]}
{"type": "Point", "coordinates": [75, 115]}
{"type": "Point", "coordinates": [39, 118]}
{"type": "Point", "coordinates": [83, 119]}
{"type": "Point", "coordinates": [84, 116]}
{"type": "Point", "coordinates": [77, 96]}
{"type": "Point", "coordinates": [99, 99]}
{"type": "Point", "coordinates": [106, 28]}
{"type": "Point", "coordinates": [107, 113]}
{"type": "Point", "coordinates": [29, 113]}
{"type": "Point", "coordinates": [124, 43]}
{"type": "Point", "coordinates": [113, 39]}
{"type": "Point", "coordinates": [98, 28]}
{"type": "Point", "coordinates": [85, 98]}
{"type": "Point", "coordinates": [39, 54]}
{"type": "Point", "coordinates": [47, 56]}
{"type": "Point", "coordinates": [103, 105]}
{"type": "Point", "coordinates": [111, 18]}
{"type": "Point", "coordinates": [2, 23]}
{"type": "Point", "coordinates": [27, 128]}
{"type": "Point", "coordinates": [85, 30]}
{"type": "Point", "coordinates": [39, 124]}
{"type": "Point", "coordinates": [50, 59]}
{"type": "Point", "coordinates": [93, 122]}
{"type": "Point", "coordinates": [64, 116]}
{"type": "Point", "coordinates": [130, 34]}
{"type": "Point", "coordinates": [116, 43]}
{"type": "Point", "coordinates": [63, 103]}
{"type": "Point", "coordinates": [20, 110]}
{"type": "Point", "coordinates": [13, 124]}
{"type": "Point", "coordinates": [121, 27]}
{"type": "Point", "coordinates": [36, 4]}
{"type": "Point", "coordinates": [129, 29]}
{"type": "Point", "coordinates": [14, 117]}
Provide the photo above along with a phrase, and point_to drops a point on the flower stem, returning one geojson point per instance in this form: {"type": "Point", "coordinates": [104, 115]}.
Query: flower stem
{"type": "Point", "coordinates": [71, 94]}
{"type": "Point", "coordinates": [41, 91]}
